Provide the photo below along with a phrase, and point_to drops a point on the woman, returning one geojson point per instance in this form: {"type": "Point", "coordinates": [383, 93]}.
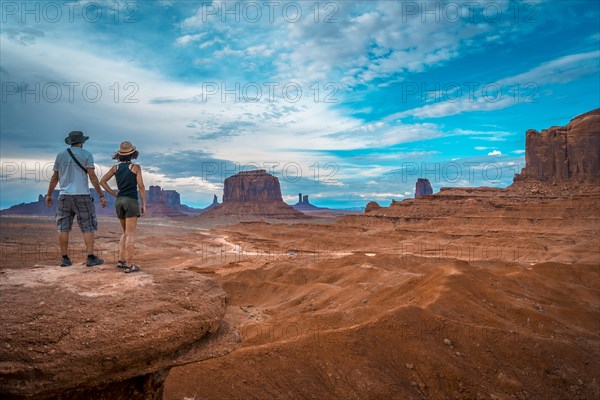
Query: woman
{"type": "Point", "coordinates": [129, 180]}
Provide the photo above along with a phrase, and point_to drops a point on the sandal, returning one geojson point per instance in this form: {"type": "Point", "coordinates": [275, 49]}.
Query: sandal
{"type": "Point", "coordinates": [128, 268]}
{"type": "Point", "coordinates": [121, 264]}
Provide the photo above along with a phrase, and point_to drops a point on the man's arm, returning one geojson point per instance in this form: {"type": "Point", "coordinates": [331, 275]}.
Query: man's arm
{"type": "Point", "coordinates": [96, 184]}
{"type": "Point", "coordinates": [53, 183]}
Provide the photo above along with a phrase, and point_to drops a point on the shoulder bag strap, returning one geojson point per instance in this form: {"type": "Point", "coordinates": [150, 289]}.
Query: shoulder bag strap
{"type": "Point", "coordinates": [76, 161]}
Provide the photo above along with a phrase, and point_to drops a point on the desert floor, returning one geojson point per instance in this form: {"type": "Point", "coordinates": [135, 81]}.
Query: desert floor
{"type": "Point", "coordinates": [330, 311]}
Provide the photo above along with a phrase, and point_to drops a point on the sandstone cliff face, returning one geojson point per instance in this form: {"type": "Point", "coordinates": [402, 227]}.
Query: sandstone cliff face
{"type": "Point", "coordinates": [170, 198]}
{"type": "Point", "coordinates": [372, 205]}
{"type": "Point", "coordinates": [564, 153]}
{"type": "Point", "coordinates": [250, 196]}
{"type": "Point", "coordinates": [253, 186]}
{"type": "Point", "coordinates": [154, 194]}
{"type": "Point", "coordinates": [102, 335]}
{"type": "Point", "coordinates": [423, 188]}
{"type": "Point", "coordinates": [562, 167]}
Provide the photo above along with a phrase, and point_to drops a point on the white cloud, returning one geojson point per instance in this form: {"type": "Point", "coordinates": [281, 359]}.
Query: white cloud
{"type": "Point", "coordinates": [520, 88]}
{"type": "Point", "coordinates": [187, 39]}
{"type": "Point", "coordinates": [227, 52]}
{"type": "Point", "coordinates": [369, 41]}
{"type": "Point", "coordinates": [447, 108]}
{"type": "Point", "coordinates": [382, 195]}
{"type": "Point", "coordinates": [494, 153]}
{"type": "Point", "coordinates": [260, 50]}
{"type": "Point", "coordinates": [371, 45]}
{"type": "Point", "coordinates": [253, 51]}
{"type": "Point", "coordinates": [560, 70]}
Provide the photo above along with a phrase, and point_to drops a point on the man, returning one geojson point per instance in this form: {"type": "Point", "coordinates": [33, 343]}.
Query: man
{"type": "Point", "coordinates": [71, 169]}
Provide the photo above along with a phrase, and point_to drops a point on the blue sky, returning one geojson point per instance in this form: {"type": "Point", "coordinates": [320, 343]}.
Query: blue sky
{"type": "Point", "coordinates": [346, 101]}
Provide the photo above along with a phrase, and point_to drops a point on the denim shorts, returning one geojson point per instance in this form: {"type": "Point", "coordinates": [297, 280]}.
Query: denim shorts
{"type": "Point", "coordinates": [82, 205]}
{"type": "Point", "coordinates": [126, 207]}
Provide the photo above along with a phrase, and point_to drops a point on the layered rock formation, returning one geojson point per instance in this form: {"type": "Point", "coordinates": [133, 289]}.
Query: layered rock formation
{"type": "Point", "coordinates": [564, 153]}
{"type": "Point", "coordinates": [169, 198]}
{"type": "Point", "coordinates": [163, 203]}
{"type": "Point", "coordinates": [39, 207]}
{"type": "Point", "coordinates": [160, 203]}
{"type": "Point", "coordinates": [372, 205]}
{"type": "Point", "coordinates": [251, 195]}
{"type": "Point", "coordinates": [422, 188]}
{"type": "Point", "coordinates": [77, 333]}
{"type": "Point", "coordinates": [304, 205]}
{"type": "Point", "coordinates": [252, 186]}
{"type": "Point", "coordinates": [558, 183]}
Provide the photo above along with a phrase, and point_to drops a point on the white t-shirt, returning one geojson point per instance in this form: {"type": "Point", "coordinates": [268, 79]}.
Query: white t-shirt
{"type": "Point", "coordinates": [72, 179]}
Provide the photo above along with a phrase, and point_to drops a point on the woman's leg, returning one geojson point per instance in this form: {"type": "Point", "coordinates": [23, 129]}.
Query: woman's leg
{"type": "Point", "coordinates": [130, 225]}
{"type": "Point", "coordinates": [122, 241]}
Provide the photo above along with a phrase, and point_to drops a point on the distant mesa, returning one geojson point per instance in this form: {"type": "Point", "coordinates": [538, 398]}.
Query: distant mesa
{"type": "Point", "coordinates": [562, 164]}
{"type": "Point", "coordinates": [564, 153]}
{"type": "Point", "coordinates": [251, 195]}
{"type": "Point", "coordinates": [423, 188]}
{"type": "Point", "coordinates": [170, 198]}
{"type": "Point", "coordinates": [252, 186]}
{"type": "Point", "coordinates": [160, 203]}
{"type": "Point", "coordinates": [214, 203]}
{"type": "Point", "coordinates": [302, 200]}
{"type": "Point", "coordinates": [372, 205]}
{"type": "Point", "coordinates": [304, 205]}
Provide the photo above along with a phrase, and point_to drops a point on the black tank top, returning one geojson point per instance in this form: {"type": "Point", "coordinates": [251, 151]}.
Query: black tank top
{"type": "Point", "coordinates": [126, 181]}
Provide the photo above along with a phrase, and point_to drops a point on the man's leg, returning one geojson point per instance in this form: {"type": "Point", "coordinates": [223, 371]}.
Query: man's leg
{"type": "Point", "coordinates": [88, 238]}
{"type": "Point", "coordinates": [64, 221]}
{"type": "Point", "coordinates": [86, 218]}
{"type": "Point", "coordinates": [63, 242]}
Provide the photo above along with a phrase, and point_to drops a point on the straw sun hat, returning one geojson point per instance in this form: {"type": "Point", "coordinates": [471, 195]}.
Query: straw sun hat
{"type": "Point", "coordinates": [126, 148]}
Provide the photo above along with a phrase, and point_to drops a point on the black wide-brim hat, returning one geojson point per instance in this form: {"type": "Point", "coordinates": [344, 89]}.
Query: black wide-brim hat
{"type": "Point", "coordinates": [76, 137]}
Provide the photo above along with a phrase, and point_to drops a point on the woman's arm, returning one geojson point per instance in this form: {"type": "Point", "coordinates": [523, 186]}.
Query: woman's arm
{"type": "Point", "coordinates": [104, 181]}
{"type": "Point", "coordinates": [141, 187]}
